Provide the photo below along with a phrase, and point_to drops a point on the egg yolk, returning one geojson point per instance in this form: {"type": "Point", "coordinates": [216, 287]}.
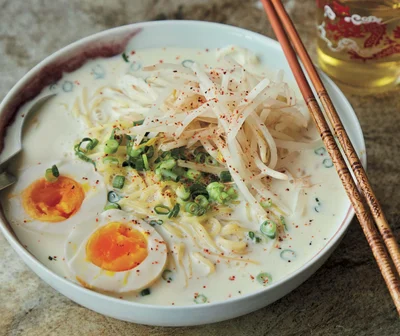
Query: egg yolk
{"type": "Point", "coordinates": [116, 247]}
{"type": "Point", "coordinates": [53, 201]}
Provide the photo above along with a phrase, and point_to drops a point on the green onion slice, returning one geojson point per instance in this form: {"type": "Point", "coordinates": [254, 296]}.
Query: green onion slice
{"type": "Point", "coordinates": [194, 209]}
{"type": "Point", "coordinates": [145, 292]}
{"type": "Point", "coordinates": [110, 160]}
{"type": "Point", "coordinates": [200, 157]}
{"type": "Point", "coordinates": [111, 146]}
{"type": "Point", "coordinates": [251, 235]}
{"type": "Point", "coordinates": [110, 206]}
{"type": "Point", "coordinates": [145, 162]}
{"type": "Point", "coordinates": [168, 164]}
{"type": "Point", "coordinates": [198, 189]}
{"type": "Point", "coordinates": [175, 211]}
{"type": "Point", "coordinates": [118, 181]}
{"type": "Point", "coordinates": [113, 197]}
{"type": "Point", "coordinates": [156, 222]}
{"type": "Point", "coordinates": [288, 255]}
{"type": "Point", "coordinates": [320, 151]}
{"type": "Point", "coordinates": [80, 152]}
{"type": "Point", "coordinates": [168, 174]}
{"type": "Point", "coordinates": [52, 174]}
{"type": "Point", "coordinates": [264, 278]}
{"type": "Point", "coordinates": [211, 161]}
{"type": "Point", "coordinates": [183, 193]}
{"type": "Point", "coordinates": [266, 204]}
{"type": "Point", "coordinates": [225, 176]}
{"type": "Point", "coordinates": [201, 200]}
{"type": "Point", "coordinates": [55, 171]}
{"type": "Point", "coordinates": [138, 122]}
{"type": "Point", "coordinates": [167, 275]}
{"type": "Point", "coordinates": [199, 299]}
{"type": "Point", "coordinates": [161, 209]}
{"type": "Point", "coordinates": [283, 222]}
{"type": "Point", "coordinates": [193, 174]}
{"type": "Point", "coordinates": [327, 163]}
{"type": "Point", "coordinates": [268, 228]}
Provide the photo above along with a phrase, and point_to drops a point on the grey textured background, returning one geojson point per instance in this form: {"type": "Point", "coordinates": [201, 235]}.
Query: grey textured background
{"type": "Point", "coordinates": [347, 296]}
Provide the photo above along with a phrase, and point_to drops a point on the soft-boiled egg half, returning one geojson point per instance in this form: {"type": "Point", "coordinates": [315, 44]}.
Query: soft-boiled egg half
{"type": "Point", "coordinates": [56, 206]}
{"type": "Point", "coordinates": [115, 252]}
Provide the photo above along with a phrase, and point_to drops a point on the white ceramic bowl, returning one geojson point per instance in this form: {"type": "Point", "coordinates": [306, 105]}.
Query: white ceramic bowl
{"type": "Point", "coordinates": [171, 34]}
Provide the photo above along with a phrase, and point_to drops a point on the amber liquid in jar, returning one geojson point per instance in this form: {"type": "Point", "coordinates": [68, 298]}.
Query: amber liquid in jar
{"type": "Point", "coordinates": [359, 43]}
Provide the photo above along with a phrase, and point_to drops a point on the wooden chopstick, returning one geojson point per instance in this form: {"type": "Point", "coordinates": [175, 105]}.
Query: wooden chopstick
{"type": "Point", "coordinates": [374, 239]}
{"type": "Point", "coordinates": [351, 155]}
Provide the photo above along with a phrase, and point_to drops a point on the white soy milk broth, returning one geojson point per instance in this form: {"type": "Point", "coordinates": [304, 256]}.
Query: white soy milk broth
{"type": "Point", "coordinates": [53, 131]}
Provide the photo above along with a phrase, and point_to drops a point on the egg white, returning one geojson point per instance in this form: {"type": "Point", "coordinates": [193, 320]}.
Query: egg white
{"type": "Point", "coordinates": [82, 172]}
{"type": "Point", "coordinates": [135, 279]}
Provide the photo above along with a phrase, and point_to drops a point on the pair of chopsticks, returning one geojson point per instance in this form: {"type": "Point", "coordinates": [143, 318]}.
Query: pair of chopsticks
{"type": "Point", "coordinates": [390, 268]}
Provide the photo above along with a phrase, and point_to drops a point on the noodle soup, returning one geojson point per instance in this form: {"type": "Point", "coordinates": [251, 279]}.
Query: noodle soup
{"type": "Point", "coordinates": [173, 177]}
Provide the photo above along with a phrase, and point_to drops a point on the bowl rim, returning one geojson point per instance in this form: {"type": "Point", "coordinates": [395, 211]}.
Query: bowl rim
{"type": "Point", "coordinates": [334, 239]}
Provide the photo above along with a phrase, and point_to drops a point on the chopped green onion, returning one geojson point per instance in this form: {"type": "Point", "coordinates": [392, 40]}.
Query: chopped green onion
{"type": "Point", "coordinates": [138, 122]}
{"type": "Point", "coordinates": [169, 175]}
{"type": "Point", "coordinates": [268, 228]}
{"type": "Point", "coordinates": [149, 151]}
{"type": "Point", "coordinates": [225, 176]}
{"type": "Point", "coordinates": [125, 164]}
{"type": "Point", "coordinates": [111, 146]}
{"type": "Point", "coordinates": [200, 157]}
{"type": "Point", "coordinates": [167, 275]}
{"type": "Point", "coordinates": [327, 163]}
{"type": "Point", "coordinates": [183, 193]}
{"type": "Point", "coordinates": [179, 171]}
{"type": "Point", "coordinates": [258, 240]}
{"type": "Point", "coordinates": [168, 164]}
{"type": "Point", "coordinates": [55, 171]}
{"type": "Point", "coordinates": [264, 278]}
{"type": "Point", "coordinates": [201, 200]}
{"type": "Point", "coordinates": [193, 175]}
{"type": "Point", "coordinates": [198, 189]}
{"type": "Point", "coordinates": [161, 209]}
{"type": "Point", "coordinates": [113, 197]}
{"type": "Point", "coordinates": [199, 299]}
{"type": "Point", "coordinates": [283, 222]}
{"type": "Point", "coordinates": [145, 162]}
{"type": "Point", "coordinates": [194, 209]}
{"type": "Point", "coordinates": [288, 255]}
{"type": "Point", "coordinates": [52, 174]}
{"type": "Point", "coordinates": [232, 193]}
{"type": "Point", "coordinates": [118, 181]}
{"type": "Point", "coordinates": [145, 292]}
{"type": "Point", "coordinates": [135, 152]}
{"type": "Point", "coordinates": [91, 145]}
{"type": "Point", "coordinates": [125, 57]}
{"type": "Point", "coordinates": [178, 153]}
{"type": "Point", "coordinates": [166, 155]}
{"type": "Point", "coordinates": [217, 193]}
{"type": "Point", "coordinates": [251, 235]}
{"type": "Point", "coordinates": [156, 222]}
{"type": "Point", "coordinates": [211, 161]}
{"type": "Point", "coordinates": [139, 164]}
{"type": "Point", "coordinates": [110, 160]}
{"type": "Point", "coordinates": [187, 63]}
{"type": "Point", "coordinates": [320, 151]}
{"type": "Point", "coordinates": [80, 152]}
{"type": "Point", "coordinates": [266, 204]}
{"type": "Point", "coordinates": [110, 206]}
{"type": "Point", "coordinates": [175, 211]}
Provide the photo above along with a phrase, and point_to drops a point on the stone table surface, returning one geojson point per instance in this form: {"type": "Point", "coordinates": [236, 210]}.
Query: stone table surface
{"type": "Point", "coordinates": [347, 296]}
